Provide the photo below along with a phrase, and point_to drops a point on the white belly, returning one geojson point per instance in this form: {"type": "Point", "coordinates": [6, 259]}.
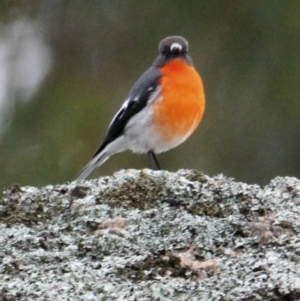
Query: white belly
{"type": "Point", "coordinates": [141, 136]}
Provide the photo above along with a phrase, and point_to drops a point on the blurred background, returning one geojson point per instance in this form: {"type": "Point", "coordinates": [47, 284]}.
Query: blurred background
{"type": "Point", "coordinates": [67, 66]}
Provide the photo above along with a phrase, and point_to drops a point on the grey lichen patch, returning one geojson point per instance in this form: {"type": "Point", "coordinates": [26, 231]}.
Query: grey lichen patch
{"type": "Point", "coordinates": [30, 206]}
{"type": "Point", "coordinates": [187, 188]}
{"type": "Point", "coordinates": [151, 235]}
{"type": "Point", "coordinates": [153, 267]}
{"type": "Point", "coordinates": [268, 227]}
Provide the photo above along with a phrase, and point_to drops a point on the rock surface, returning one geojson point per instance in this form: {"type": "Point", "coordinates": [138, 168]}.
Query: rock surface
{"type": "Point", "coordinates": [151, 235]}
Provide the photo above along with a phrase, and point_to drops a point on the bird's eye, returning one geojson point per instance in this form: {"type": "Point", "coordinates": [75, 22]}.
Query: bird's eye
{"type": "Point", "coordinates": [164, 50]}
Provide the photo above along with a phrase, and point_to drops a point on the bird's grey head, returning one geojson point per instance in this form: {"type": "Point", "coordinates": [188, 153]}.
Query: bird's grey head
{"type": "Point", "coordinates": [171, 48]}
{"type": "Point", "coordinates": [174, 45]}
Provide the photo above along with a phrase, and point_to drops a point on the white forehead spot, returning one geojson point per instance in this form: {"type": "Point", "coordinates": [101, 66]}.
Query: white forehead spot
{"type": "Point", "coordinates": [176, 46]}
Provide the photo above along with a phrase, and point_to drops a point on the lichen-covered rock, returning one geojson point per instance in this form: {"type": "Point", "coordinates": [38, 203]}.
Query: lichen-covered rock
{"type": "Point", "coordinates": [151, 235]}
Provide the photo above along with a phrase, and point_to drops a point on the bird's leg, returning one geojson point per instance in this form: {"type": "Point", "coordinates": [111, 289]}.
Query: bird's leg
{"type": "Point", "coordinates": [153, 161]}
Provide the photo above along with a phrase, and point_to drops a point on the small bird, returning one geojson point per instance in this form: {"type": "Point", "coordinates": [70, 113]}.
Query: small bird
{"type": "Point", "coordinates": [163, 108]}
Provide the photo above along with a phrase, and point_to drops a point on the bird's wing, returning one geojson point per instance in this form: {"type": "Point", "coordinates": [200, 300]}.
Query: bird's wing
{"type": "Point", "coordinates": [144, 91]}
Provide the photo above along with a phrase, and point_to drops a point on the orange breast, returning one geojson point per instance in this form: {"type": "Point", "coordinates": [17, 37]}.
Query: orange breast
{"type": "Point", "coordinates": [180, 109]}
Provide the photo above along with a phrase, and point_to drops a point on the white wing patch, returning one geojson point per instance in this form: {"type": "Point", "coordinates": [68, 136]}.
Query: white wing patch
{"type": "Point", "coordinates": [123, 108]}
{"type": "Point", "coordinates": [154, 95]}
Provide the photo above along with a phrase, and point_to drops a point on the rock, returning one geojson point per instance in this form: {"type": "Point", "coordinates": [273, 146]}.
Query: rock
{"type": "Point", "coordinates": [151, 235]}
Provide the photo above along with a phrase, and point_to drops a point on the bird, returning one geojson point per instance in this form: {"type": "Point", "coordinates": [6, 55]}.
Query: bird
{"type": "Point", "coordinates": [163, 108]}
